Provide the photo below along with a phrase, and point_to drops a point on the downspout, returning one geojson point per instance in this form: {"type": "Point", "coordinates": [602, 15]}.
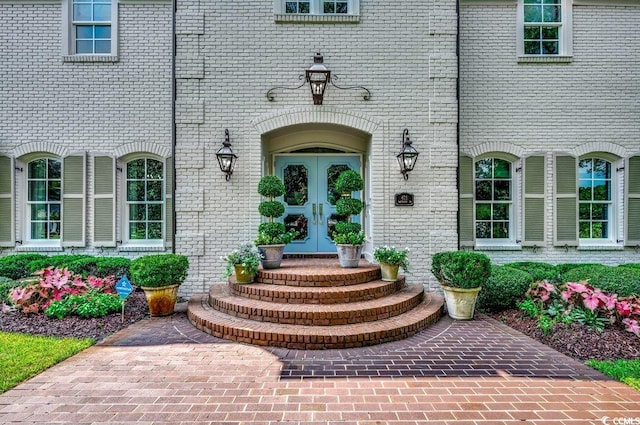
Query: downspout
{"type": "Point", "coordinates": [173, 122]}
{"type": "Point", "coordinates": [458, 111]}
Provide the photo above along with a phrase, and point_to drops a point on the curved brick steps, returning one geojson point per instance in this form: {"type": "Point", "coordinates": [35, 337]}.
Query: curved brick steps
{"type": "Point", "coordinates": [320, 295]}
{"type": "Point", "coordinates": [399, 302]}
{"type": "Point", "coordinates": [316, 272]}
{"type": "Point", "coordinates": [221, 325]}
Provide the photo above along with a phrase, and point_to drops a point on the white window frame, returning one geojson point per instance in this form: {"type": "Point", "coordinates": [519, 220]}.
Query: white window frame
{"type": "Point", "coordinates": [69, 39]}
{"type": "Point", "coordinates": [316, 12]}
{"type": "Point", "coordinates": [617, 201]}
{"type": "Point", "coordinates": [135, 244]}
{"type": "Point", "coordinates": [565, 43]}
{"type": "Point", "coordinates": [24, 204]}
{"type": "Point", "coordinates": [515, 214]}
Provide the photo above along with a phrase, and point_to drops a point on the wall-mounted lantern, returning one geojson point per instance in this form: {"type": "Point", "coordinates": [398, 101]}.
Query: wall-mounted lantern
{"type": "Point", "coordinates": [408, 155]}
{"type": "Point", "coordinates": [226, 157]}
{"type": "Point", "coordinates": [318, 76]}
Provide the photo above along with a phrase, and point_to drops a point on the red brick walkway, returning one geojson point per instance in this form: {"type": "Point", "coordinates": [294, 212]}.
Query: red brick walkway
{"type": "Point", "coordinates": [164, 371]}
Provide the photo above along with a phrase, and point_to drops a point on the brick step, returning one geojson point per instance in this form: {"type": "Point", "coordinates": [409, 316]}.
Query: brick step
{"type": "Point", "coordinates": [320, 295]}
{"type": "Point", "coordinates": [221, 325]}
{"type": "Point", "coordinates": [317, 272]}
{"type": "Point", "coordinates": [409, 296]}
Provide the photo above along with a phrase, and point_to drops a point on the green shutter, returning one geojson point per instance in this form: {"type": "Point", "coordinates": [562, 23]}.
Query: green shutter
{"type": "Point", "coordinates": [465, 215]}
{"type": "Point", "coordinates": [73, 201]}
{"type": "Point", "coordinates": [632, 202]}
{"type": "Point", "coordinates": [534, 201]}
{"type": "Point", "coordinates": [168, 202]}
{"type": "Point", "coordinates": [7, 183]}
{"type": "Point", "coordinates": [104, 202]}
{"type": "Point", "coordinates": [566, 201]}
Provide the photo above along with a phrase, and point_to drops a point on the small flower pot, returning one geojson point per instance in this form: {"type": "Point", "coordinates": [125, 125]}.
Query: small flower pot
{"type": "Point", "coordinates": [389, 271]}
{"type": "Point", "coordinates": [349, 255]}
{"type": "Point", "coordinates": [242, 276]}
{"type": "Point", "coordinates": [161, 300]}
{"type": "Point", "coordinates": [461, 303]}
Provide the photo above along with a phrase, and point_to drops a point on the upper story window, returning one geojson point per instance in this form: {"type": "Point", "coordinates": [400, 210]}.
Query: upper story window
{"type": "Point", "coordinates": [44, 199]}
{"type": "Point", "coordinates": [544, 28]}
{"type": "Point", "coordinates": [145, 201]}
{"type": "Point", "coordinates": [493, 199]}
{"type": "Point", "coordinates": [595, 197]}
{"type": "Point", "coordinates": [317, 10]}
{"type": "Point", "coordinates": [317, 7]}
{"type": "Point", "coordinates": [91, 28]}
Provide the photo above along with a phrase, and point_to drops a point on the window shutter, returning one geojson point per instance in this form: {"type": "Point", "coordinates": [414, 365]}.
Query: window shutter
{"type": "Point", "coordinates": [104, 202]}
{"type": "Point", "coordinates": [566, 201]}
{"type": "Point", "coordinates": [7, 184]}
{"type": "Point", "coordinates": [534, 201]}
{"type": "Point", "coordinates": [73, 201]}
{"type": "Point", "coordinates": [465, 183]}
{"type": "Point", "coordinates": [168, 202]}
{"type": "Point", "coordinates": [632, 202]}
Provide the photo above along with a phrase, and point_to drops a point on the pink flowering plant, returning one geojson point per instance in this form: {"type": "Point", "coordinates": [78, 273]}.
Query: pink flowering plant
{"type": "Point", "coordinates": [55, 284]}
{"type": "Point", "coordinates": [580, 302]}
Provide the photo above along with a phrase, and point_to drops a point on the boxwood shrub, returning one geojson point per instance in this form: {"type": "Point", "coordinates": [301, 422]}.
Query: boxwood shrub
{"type": "Point", "coordinates": [16, 266]}
{"type": "Point", "coordinates": [565, 267]}
{"type": "Point", "coordinates": [506, 286]}
{"type": "Point", "coordinates": [538, 271]}
{"type": "Point", "coordinates": [154, 271]}
{"type": "Point", "coordinates": [624, 281]}
{"type": "Point", "coordinates": [461, 269]}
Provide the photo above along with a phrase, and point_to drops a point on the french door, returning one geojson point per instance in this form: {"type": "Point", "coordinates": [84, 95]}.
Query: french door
{"type": "Point", "coordinates": [310, 197]}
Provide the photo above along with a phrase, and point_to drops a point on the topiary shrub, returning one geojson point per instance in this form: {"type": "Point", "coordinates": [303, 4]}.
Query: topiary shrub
{"type": "Point", "coordinates": [537, 270]}
{"type": "Point", "coordinates": [16, 266]}
{"type": "Point", "coordinates": [505, 287]}
{"type": "Point", "coordinates": [272, 232]}
{"type": "Point", "coordinates": [155, 271]}
{"type": "Point", "coordinates": [347, 232]}
{"type": "Point", "coordinates": [461, 269]}
{"type": "Point", "coordinates": [349, 181]}
{"type": "Point", "coordinates": [623, 281]}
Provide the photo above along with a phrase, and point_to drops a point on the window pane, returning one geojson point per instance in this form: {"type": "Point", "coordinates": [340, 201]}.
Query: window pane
{"type": "Point", "coordinates": [154, 211]}
{"type": "Point", "coordinates": [54, 169]}
{"type": "Point", "coordinates": [154, 191]}
{"type": "Point", "coordinates": [531, 47]}
{"type": "Point", "coordinates": [483, 169]}
{"type": "Point", "coordinates": [599, 230]}
{"type": "Point", "coordinates": [483, 212]}
{"type": "Point", "coordinates": [483, 190]}
{"type": "Point", "coordinates": [501, 211]}
{"type": "Point", "coordinates": [291, 7]}
{"type": "Point", "coordinates": [102, 12]}
{"type": "Point", "coordinates": [154, 169]}
{"type": "Point", "coordinates": [585, 190]}
{"type": "Point", "coordinates": [84, 47]}
{"type": "Point", "coordinates": [500, 230]}
{"type": "Point", "coordinates": [137, 231]}
{"type": "Point", "coordinates": [135, 191]}
{"type": "Point", "coordinates": [483, 230]}
{"type": "Point", "coordinates": [601, 190]}
{"type": "Point", "coordinates": [599, 211]}
{"type": "Point", "coordinates": [552, 14]}
{"type": "Point", "coordinates": [549, 47]}
{"type": "Point", "coordinates": [38, 212]}
{"type": "Point", "coordinates": [502, 190]}
{"type": "Point", "coordinates": [53, 228]}
{"type": "Point", "coordinates": [82, 12]}
{"type": "Point", "coordinates": [103, 31]}
{"type": "Point", "coordinates": [137, 212]}
{"type": "Point", "coordinates": [37, 169]}
{"type": "Point", "coordinates": [155, 230]}
{"type": "Point", "coordinates": [550, 33]}
{"type": "Point", "coordinates": [53, 190]}
{"type": "Point", "coordinates": [532, 33]}
{"type": "Point", "coordinates": [585, 230]}
{"type": "Point", "coordinates": [329, 7]}
{"type": "Point", "coordinates": [532, 13]}
{"type": "Point", "coordinates": [584, 168]}
{"type": "Point", "coordinates": [502, 169]}
{"type": "Point", "coordinates": [54, 211]}
{"type": "Point", "coordinates": [304, 7]}
{"type": "Point", "coordinates": [601, 169]}
{"type": "Point", "coordinates": [135, 169]}
{"type": "Point", "coordinates": [103, 47]}
{"type": "Point", "coordinates": [38, 230]}
{"type": "Point", "coordinates": [585, 211]}
{"type": "Point", "coordinates": [37, 191]}
{"type": "Point", "coordinates": [341, 7]}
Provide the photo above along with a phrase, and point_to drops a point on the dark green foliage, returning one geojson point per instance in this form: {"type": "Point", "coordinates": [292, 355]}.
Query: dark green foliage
{"type": "Point", "coordinates": [116, 266]}
{"type": "Point", "coordinates": [563, 268]}
{"type": "Point", "coordinates": [16, 266]}
{"type": "Point", "coordinates": [623, 281]}
{"type": "Point", "coordinates": [271, 187]}
{"type": "Point", "coordinates": [271, 209]}
{"type": "Point", "coordinates": [154, 271]}
{"type": "Point", "coordinates": [272, 230]}
{"type": "Point", "coordinates": [57, 261]}
{"type": "Point", "coordinates": [537, 270]}
{"type": "Point", "coordinates": [348, 206]}
{"type": "Point", "coordinates": [505, 287]}
{"type": "Point", "coordinates": [349, 181]}
{"type": "Point", "coordinates": [6, 285]}
{"type": "Point", "coordinates": [343, 227]}
{"type": "Point", "coordinates": [83, 267]}
{"type": "Point", "coordinates": [89, 305]}
{"type": "Point", "coordinates": [461, 269]}
{"type": "Point", "coordinates": [631, 265]}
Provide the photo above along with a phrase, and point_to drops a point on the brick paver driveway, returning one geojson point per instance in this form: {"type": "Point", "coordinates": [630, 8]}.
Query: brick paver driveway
{"type": "Point", "coordinates": [164, 371]}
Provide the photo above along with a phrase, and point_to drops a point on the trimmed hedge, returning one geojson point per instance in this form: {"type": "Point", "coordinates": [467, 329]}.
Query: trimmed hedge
{"type": "Point", "coordinates": [506, 286]}
{"type": "Point", "coordinates": [564, 268]}
{"type": "Point", "coordinates": [624, 281]}
{"type": "Point", "coordinates": [537, 270]}
{"type": "Point", "coordinates": [16, 266]}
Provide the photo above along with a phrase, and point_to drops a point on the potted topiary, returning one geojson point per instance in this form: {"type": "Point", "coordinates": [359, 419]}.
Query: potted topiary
{"type": "Point", "coordinates": [391, 259]}
{"type": "Point", "coordinates": [159, 276]}
{"type": "Point", "coordinates": [461, 275]}
{"type": "Point", "coordinates": [272, 236]}
{"type": "Point", "coordinates": [348, 236]}
{"type": "Point", "coordinates": [244, 261]}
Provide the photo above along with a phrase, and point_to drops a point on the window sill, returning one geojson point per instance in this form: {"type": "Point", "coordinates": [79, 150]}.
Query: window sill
{"type": "Point", "coordinates": [506, 247]}
{"type": "Point", "coordinates": [89, 58]}
{"type": "Point", "coordinates": [600, 248]}
{"type": "Point", "coordinates": [318, 19]}
{"type": "Point", "coordinates": [141, 248]}
{"type": "Point", "coordinates": [39, 248]}
{"type": "Point", "coordinates": [545, 59]}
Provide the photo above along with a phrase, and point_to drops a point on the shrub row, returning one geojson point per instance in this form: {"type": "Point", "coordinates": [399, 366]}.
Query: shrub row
{"type": "Point", "coordinates": [18, 266]}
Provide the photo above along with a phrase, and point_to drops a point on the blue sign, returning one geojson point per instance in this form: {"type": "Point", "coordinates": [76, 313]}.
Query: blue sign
{"type": "Point", "coordinates": [123, 287]}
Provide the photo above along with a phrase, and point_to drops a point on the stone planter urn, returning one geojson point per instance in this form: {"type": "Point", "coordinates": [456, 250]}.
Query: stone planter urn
{"type": "Point", "coordinates": [349, 255]}
{"type": "Point", "coordinates": [461, 302]}
{"type": "Point", "coordinates": [161, 300]}
{"type": "Point", "coordinates": [271, 255]}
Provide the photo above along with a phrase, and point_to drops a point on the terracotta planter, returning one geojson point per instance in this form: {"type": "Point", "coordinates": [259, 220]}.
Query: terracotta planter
{"type": "Point", "coordinates": [242, 276]}
{"type": "Point", "coordinates": [389, 271]}
{"type": "Point", "coordinates": [271, 255]}
{"type": "Point", "coordinates": [349, 255]}
{"type": "Point", "coordinates": [161, 300]}
{"type": "Point", "coordinates": [461, 303]}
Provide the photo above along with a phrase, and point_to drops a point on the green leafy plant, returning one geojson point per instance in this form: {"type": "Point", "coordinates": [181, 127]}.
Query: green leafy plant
{"type": "Point", "coordinates": [272, 232]}
{"type": "Point", "coordinates": [530, 308]}
{"type": "Point", "coordinates": [16, 266]}
{"type": "Point", "coordinates": [391, 255]}
{"type": "Point", "coordinates": [461, 269]}
{"type": "Point", "coordinates": [347, 232]}
{"type": "Point", "coordinates": [504, 288]}
{"type": "Point", "coordinates": [90, 305]}
{"type": "Point", "coordinates": [247, 255]}
{"type": "Point", "coordinates": [351, 238]}
{"type": "Point", "coordinates": [349, 181]}
{"type": "Point", "coordinates": [623, 281]}
{"type": "Point", "coordinates": [538, 271]}
{"type": "Point", "coordinates": [156, 271]}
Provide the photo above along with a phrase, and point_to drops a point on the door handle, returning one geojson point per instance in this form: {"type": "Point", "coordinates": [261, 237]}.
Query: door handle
{"type": "Point", "coordinates": [313, 211]}
{"type": "Point", "coordinates": [320, 206]}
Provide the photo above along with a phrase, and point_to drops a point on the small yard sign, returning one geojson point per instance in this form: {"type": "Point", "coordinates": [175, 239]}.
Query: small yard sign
{"type": "Point", "coordinates": [123, 288]}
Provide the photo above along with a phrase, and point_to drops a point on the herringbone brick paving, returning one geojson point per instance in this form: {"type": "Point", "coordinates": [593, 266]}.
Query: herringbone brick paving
{"type": "Point", "coordinates": [164, 371]}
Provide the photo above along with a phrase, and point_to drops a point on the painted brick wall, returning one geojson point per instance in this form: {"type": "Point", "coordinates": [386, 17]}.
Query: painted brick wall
{"type": "Point", "coordinates": [589, 104]}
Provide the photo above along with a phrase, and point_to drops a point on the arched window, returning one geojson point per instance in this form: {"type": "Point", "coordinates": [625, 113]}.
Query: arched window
{"type": "Point", "coordinates": [493, 194]}
{"type": "Point", "coordinates": [44, 199]}
{"type": "Point", "coordinates": [595, 198]}
{"type": "Point", "coordinates": [145, 200]}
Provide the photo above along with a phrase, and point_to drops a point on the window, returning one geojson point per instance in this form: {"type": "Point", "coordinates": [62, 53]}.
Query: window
{"type": "Point", "coordinates": [317, 7]}
{"type": "Point", "coordinates": [595, 199]}
{"type": "Point", "coordinates": [44, 199]}
{"type": "Point", "coordinates": [145, 201]}
{"type": "Point", "coordinates": [493, 186]}
{"type": "Point", "coordinates": [92, 28]}
{"type": "Point", "coordinates": [317, 10]}
{"type": "Point", "coordinates": [545, 28]}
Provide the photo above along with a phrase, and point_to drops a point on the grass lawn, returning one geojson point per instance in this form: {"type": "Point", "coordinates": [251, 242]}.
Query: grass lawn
{"type": "Point", "coordinates": [23, 356]}
{"type": "Point", "coordinates": [627, 371]}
